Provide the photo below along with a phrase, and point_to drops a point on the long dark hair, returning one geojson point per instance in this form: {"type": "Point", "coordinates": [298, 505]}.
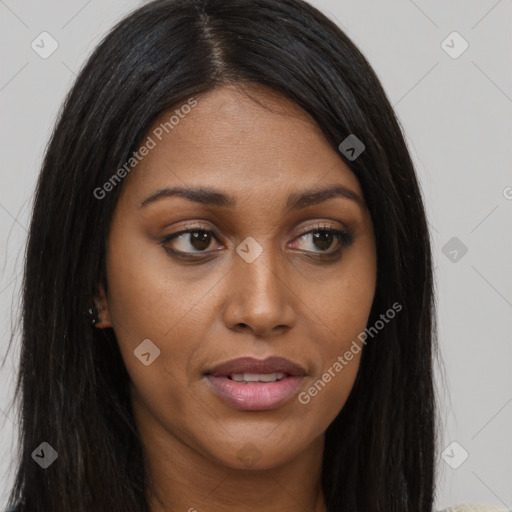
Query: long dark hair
{"type": "Point", "coordinates": [73, 386]}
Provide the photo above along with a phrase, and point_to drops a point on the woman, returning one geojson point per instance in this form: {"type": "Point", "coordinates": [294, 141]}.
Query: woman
{"type": "Point", "coordinates": [228, 294]}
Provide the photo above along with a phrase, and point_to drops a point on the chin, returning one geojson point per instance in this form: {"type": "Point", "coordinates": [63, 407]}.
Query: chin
{"type": "Point", "coordinates": [255, 453]}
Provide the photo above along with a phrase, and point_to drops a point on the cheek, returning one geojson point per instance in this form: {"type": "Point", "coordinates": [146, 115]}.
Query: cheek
{"type": "Point", "coordinates": [346, 299]}
{"type": "Point", "coordinates": [344, 308]}
{"type": "Point", "coordinates": [150, 311]}
{"type": "Point", "coordinates": [148, 297]}
{"type": "Point", "coordinates": [327, 392]}
{"type": "Point", "coordinates": [339, 355]}
{"type": "Point", "coordinates": [145, 303]}
{"type": "Point", "coordinates": [135, 304]}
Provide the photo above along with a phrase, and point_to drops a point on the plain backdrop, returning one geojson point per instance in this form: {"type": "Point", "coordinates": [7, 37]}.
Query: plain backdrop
{"type": "Point", "coordinates": [455, 108]}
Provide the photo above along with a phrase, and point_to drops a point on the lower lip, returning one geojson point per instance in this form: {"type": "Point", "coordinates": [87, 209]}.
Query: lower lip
{"type": "Point", "coordinates": [254, 396]}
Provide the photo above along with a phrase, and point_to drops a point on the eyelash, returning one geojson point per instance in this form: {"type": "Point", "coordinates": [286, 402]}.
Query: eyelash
{"type": "Point", "coordinates": [345, 239]}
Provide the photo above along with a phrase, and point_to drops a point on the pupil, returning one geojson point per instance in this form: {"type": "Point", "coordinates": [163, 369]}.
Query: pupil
{"type": "Point", "coordinates": [323, 241]}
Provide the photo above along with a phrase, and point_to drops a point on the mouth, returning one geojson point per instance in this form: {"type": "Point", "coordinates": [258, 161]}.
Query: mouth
{"type": "Point", "coordinates": [255, 385]}
{"type": "Point", "coordinates": [247, 378]}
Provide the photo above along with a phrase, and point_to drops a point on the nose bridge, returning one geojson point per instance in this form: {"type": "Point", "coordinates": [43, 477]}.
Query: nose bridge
{"type": "Point", "coordinates": [257, 264]}
{"type": "Point", "coordinates": [260, 296]}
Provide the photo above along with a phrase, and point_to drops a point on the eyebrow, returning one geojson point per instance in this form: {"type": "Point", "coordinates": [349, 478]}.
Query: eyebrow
{"type": "Point", "coordinates": [212, 197]}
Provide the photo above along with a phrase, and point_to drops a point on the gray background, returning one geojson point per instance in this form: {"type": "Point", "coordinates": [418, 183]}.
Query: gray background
{"type": "Point", "coordinates": [456, 114]}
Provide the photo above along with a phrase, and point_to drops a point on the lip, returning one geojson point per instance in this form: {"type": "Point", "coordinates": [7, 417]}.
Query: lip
{"type": "Point", "coordinates": [272, 364]}
{"type": "Point", "coordinates": [255, 396]}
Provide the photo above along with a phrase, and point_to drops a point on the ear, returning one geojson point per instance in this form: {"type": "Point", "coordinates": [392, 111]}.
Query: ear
{"type": "Point", "coordinates": [101, 302]}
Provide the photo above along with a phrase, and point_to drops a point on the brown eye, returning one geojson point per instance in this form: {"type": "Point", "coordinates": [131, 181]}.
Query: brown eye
{"type": "Point", "coordinates": [326, 240]}
{"type": "Point", "coordinates": [189, 241]}
{"type": "Point", "coordinates": [323, 239]}
{"type": "Point", "coordinates": [200, 240]}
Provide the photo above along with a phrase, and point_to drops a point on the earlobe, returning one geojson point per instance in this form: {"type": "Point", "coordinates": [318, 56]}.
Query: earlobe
{"type": "Point", "coordinates": [100, 314]}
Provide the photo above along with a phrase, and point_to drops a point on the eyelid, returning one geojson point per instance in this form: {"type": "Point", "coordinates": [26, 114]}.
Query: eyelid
{"type": "Point", "coordinates": [197, 226]}
{"type": "Point", "coordinates": [322, 226]}
{"type": "Point", "coordinates": [192, 226]}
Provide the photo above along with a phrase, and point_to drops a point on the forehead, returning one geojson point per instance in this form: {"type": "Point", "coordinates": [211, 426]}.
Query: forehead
{"type": "Point", "coordinates": [257, 141]}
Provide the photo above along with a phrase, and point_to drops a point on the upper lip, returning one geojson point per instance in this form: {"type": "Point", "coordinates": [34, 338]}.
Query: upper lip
{"type": "Point", "coordinates": [272, 364]}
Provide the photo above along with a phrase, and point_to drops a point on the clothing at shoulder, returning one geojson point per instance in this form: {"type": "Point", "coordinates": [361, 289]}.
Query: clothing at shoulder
{"type": "Point", "coordinates": [474, 507]}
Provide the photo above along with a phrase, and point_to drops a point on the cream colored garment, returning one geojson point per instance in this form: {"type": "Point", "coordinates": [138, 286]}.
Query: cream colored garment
{"type": "Point", "coordinates": [475, 507]}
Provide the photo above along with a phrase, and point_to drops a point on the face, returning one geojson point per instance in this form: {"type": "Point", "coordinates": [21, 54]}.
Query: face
{"type": "Point", "coordinates": [253, 266]}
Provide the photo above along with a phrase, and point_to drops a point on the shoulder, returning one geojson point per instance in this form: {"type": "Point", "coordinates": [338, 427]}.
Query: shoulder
{"type": "Point", "coordinates": [475, 507]}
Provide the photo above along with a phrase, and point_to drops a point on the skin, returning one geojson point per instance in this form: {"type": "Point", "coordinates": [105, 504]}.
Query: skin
{"type": "Point", "coordinates": [201, 314]}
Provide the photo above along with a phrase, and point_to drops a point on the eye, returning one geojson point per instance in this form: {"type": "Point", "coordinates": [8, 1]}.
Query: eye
{"type": "Point", "coordinates": [195, 239]}
{"type": "Point", "coordinates": [326, 240]}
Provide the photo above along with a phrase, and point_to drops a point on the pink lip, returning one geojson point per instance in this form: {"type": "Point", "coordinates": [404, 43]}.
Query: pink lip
{"type": "Point", "coordinates": [256, 396]}
{"type": "Point", "coordinates": [272, 364]}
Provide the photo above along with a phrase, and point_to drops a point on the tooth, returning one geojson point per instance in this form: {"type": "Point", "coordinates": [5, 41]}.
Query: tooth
{"type": "Point", "coordinates": [257, 377]}
{"type": "Point", "coordinates": [268, 377]}
{"type": "Point", "coordinates": [251, 377]}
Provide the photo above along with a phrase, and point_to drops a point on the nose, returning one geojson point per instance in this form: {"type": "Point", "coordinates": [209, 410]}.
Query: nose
{"type": "Point", "coordinates": [260, 297]}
